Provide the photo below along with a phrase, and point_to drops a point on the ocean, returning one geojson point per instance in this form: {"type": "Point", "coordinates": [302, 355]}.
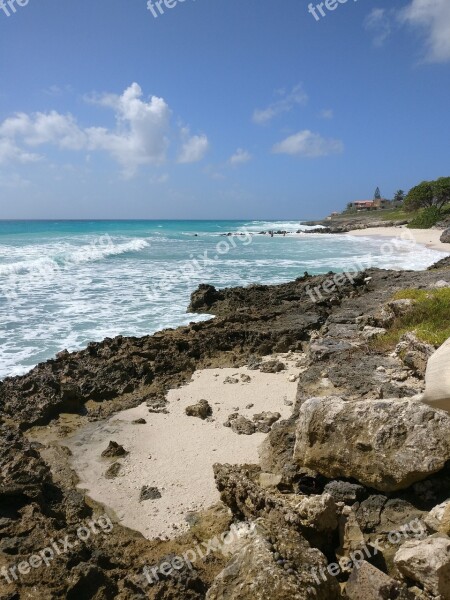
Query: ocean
{"type": "Point", "coordinates": [66, 283]}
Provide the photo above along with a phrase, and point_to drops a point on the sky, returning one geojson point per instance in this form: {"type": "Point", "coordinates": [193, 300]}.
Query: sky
{"type": "Point", "coordinates": [218, 109]}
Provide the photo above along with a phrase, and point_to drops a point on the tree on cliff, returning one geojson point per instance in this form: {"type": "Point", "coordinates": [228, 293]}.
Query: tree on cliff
{"type": "Point", "coordinates": [377, 195]}
{"type": "Point", "coordinates": [399, 196]}
{"type": "Point", "coordinates": [429, 193]}
{"type": "Point", "coordinates": [441, 191]}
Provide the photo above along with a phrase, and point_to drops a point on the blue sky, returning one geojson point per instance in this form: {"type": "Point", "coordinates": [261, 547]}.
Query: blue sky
{"type": "Point", "coordinates": [219, 108]}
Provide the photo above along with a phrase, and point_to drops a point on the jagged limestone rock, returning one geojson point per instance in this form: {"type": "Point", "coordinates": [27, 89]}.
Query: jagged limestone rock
{"type": "Point", "coordinates": [369, 583]}
{"type": "Point", "coordinates": [269, 480]}
{"type": "Point", "coordinates": [427, 562]}
{"type": "Point", "coordinates": [319, 512]}
{"type": "Point", "coordinates": [384, 444]}
{"type": "Point", "coordinates": [276, 563]}
{"type": "Point", "coordinates": [314, 517]}
{"type": "Point", "coordinates": [438, 519]}
{"type": "Point", "coordinates": [350, 535]}
{"type": "Point", "coordinates": [414, 353]}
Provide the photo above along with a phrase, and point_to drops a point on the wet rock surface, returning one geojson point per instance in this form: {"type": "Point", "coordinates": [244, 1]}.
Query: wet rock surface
{"type": "Point", "coordinates": [38, 504]}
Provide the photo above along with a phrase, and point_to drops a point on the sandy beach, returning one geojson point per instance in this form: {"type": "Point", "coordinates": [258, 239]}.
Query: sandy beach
{"type": "Point", "coordinates": [427, 237]}
{"type": "Point", "coordinates": [175, 453]}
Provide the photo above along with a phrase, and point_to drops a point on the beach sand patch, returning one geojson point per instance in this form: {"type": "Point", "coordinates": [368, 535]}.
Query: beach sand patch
{"type": "Point", "coordinates": [173, 452]}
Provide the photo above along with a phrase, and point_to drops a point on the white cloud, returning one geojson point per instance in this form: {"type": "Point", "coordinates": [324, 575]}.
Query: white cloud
{"type": "Point", "coordinates": [308, 144]}
{"type": "Point", "coordinates": [194, 147]}
{"type": "Point", "coordinates": [378, 22]}
{"type": "Point", "coordinates": [42, 128]}
{"type": "Point", "coordinates": [140, 136]}
{"type": "Point", "coordinates": [326, 113]}
{"type": "Point", "coordinates": [433, 17]}
{"type": "Point", "coordinates": [11, 153]}
{"type": "Point", "coordinates": [287, 102]}
{"type": "Point", "coordinates": [239, 157]}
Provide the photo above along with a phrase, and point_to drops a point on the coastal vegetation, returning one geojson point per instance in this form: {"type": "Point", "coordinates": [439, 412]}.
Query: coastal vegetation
{"type": "Point", "coordinates": [428, 317]}
{"type": "Point", "coordinates": [428, 194]}
{"type": "Point", "coordinates": [425, 205]}
{"type": "Point", "coordinates": [425, 218]}
{"type": "Point", "coordinates": [429, 201]}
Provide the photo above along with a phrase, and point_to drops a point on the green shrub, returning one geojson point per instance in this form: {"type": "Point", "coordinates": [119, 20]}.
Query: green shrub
{"type": "Point", "coordinates": [429, 317]}
{"type": "Point", "coordinates": [426, 218]}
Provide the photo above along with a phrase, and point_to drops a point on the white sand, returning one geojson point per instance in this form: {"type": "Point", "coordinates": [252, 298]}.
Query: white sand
{"type": "Point", "coordinates": [426, 237]}
{"type": "Point", "coordinates": [174, 452]}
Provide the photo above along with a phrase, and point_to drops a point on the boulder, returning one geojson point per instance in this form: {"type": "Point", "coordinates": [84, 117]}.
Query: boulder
{"type": "Point", "coordinates": [370, 583]}
{"type": "Point", "coordinates": [414, 353]}
{"type": "Point", "coordinates": [202, 410]}
{"type": "Point", "coordinates": [437, 378]}
{"type": "Point", "coordinates": [445, 237]}
{"type": "Point", "coordinates": [344, 491]}
{"type": "Point", "coordinates": [439, 285]}
{"type": "Point", "coordinates": [438, 519]}
{"type": "Point", "coordinates": [369, 512]}
{"type": "Point", "coordinates": [427, 562]}
{"type": "Point", "coordinates": [369, 332]}
{"type": "Point", "coordinates": [350, 535]}
{"type": "Point", "coordinates": [318, 512]}
{"type": "Point", "coordinates": [315, 516]}
{"type": "Point", "coordinates": [264, 421]}
{"type": "Point", "coordinates": [114, 449]}
{"type": "Point", "coordinates": [242, 426]}
{"type": "Point", "coordinates": [384, 444]}
{"type": "Point", "coordinates": [272, 366]}
{"type": "Point", "coordinates": [401, 307]}
{"type": "Point", "coordinates": [290, 568]}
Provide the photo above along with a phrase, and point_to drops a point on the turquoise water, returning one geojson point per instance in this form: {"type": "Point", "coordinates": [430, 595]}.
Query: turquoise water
{"type": "Point", "coordinates": [66, 283]}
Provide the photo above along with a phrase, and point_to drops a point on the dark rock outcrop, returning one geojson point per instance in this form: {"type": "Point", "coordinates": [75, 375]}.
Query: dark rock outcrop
{"type": "Point", "coordinates": [114, 449]}
{"type": "Point", "coordinates": [445, 237]}
{"type": "Point", "coordinates": [201, 410]}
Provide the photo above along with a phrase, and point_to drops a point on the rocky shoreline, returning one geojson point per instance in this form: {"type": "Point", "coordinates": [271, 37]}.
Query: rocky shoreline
{"type": "Point", "coordinates": [310, 508]}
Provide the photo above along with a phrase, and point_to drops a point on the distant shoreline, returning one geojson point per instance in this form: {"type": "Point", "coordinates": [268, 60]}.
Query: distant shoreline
{"type": "Point", "coordinates": [430, 238]}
